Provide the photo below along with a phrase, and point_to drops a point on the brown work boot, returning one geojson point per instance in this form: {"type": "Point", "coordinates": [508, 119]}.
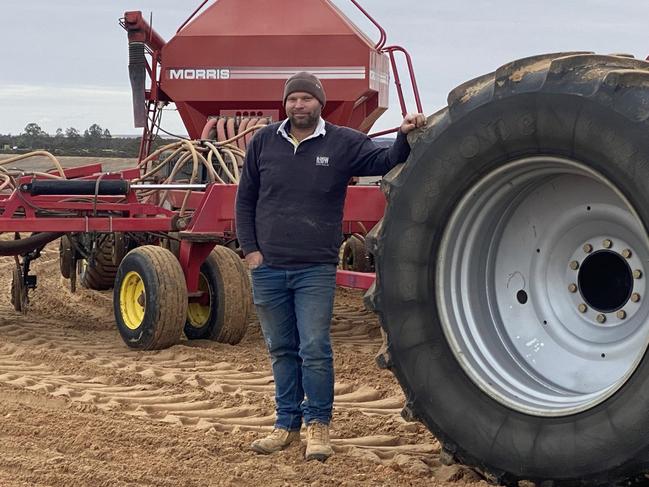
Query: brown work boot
{"type": "Point", "coordinates": [276, 441]}
{"type": "Point", "coordinates": [318, 445]}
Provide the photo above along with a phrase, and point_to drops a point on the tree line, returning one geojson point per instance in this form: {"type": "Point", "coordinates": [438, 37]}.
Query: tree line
{"type": "Point", "coordinates": [94, 141]}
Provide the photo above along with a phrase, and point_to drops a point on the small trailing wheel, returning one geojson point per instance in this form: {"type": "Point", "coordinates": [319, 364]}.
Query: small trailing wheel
{"type": "Point", "coordinates": [355, 256]}
{"type": "Point", "coordinates": [150, 298]}
{"type": "Point", "coordinates": [511, 272]}
{"type": "Point", "coordinates": [66, 257]}
{"type": "Point", "coordinates": [222, 313]}
{"type": "Point", "coordinates": [18, 291]}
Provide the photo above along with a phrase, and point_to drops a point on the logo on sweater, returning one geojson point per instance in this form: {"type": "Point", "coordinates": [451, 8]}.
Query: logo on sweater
{"type": "Point", "coordinates": [322, 161]}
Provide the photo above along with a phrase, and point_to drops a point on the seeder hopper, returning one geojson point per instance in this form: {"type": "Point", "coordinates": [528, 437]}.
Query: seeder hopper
{"type": "Point", "coordinates": [162, 233]}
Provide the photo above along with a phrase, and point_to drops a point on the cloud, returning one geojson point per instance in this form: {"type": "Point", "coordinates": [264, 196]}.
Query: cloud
{"type": "Point", "coordinates": [75, 73]}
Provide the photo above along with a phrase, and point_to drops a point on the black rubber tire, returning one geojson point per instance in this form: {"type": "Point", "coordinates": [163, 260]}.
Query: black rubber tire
{"type": "Point", "coordinates": [230, 299]}
{"type": "Point", "coordinates": [593, 109]}
{"type": "Point", "coordinates": [172, 244]}
{"type": "Point", "coordinates": [18, 291]}
{"type": "Point", "coordinates": [355, 256]}
{"type": "Point", "coordinates": [234, 246]}
{"type": "Point", "coordinates": [120, 248]}
{"type": "Point", "coordinates": [66, 254]}
{"type": "Point", "coordinates": [165, 298]}
{"type": "Point", "coordinates": [100, 274]}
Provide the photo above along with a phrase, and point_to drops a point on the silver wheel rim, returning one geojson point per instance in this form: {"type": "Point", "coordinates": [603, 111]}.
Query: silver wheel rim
{"type": "Point", "coordinates": [540, 286]}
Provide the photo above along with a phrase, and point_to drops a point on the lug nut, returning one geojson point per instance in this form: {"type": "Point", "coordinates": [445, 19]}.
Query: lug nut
{"type": "Point", "coordinates": [621, 314]}
{"type": "Point", "coordinates": [637, 274]}
{"type": "Point", "coordinates": [572, 288]}
{"type": "Point", "coordinates": [607, 244]}
{"type": "Point", "coordinates": [574, 265]}
{"type": "Point", "coordinates": [588, 248]}
{"type": "Point", "coordinates": [600, 318]}
{"type": "Point", "coordinates": [626, 253]}
{"type": "Point", "coordinates": [582, 308]}
{"type": "Point", "coordinates": [635, 297]}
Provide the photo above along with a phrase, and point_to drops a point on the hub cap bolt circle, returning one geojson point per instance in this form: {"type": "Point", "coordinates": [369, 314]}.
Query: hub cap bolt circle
{"type": "Point", "coordinates": [637, 274]}
{"type": "Point", "coordinates": [621, 314]}
{"type": "Point", "coordinates": [626, 253]}
{"type": "Point", "coordinates": [607, 244]}
{"type": "Point", "coordinates": [601, 318]}
{"type": "Point", "coordinates": [572, 288]}
{"type": "Point", "coordinates": [582, 308]}
{"type": "Point", "coordinates": [588, 248]}
{"type": "Point", "coordinates": [574, 265]}
{"type": "Point", "coordinates": [635, 297]}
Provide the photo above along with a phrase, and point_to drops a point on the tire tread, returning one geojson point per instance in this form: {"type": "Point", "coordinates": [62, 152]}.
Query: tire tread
{"type": "Point", "coordinates": [100, 275]}
{"type": "Point", "coordinates": [238, 296]}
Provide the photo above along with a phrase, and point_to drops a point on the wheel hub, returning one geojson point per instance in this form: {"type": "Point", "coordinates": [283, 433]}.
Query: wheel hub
{"type": "Point", "coordinates": [605, 281]}
{"type": "Point", "coordinates": [198, 312]}
{"type": "Point", "coordinates": [132, 300]}
{"type": "Point", "coordinates": [544, 312]}
{"type": "Point", "coordinates": [600, 281]}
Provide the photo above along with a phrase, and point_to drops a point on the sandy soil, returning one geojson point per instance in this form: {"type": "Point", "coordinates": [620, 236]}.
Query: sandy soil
{"type": "Point", "coordinates": [80, 408]}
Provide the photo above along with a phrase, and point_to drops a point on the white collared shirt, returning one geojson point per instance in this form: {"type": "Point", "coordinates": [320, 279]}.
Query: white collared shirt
{"type": "Point", "coordinates": [319, 130]}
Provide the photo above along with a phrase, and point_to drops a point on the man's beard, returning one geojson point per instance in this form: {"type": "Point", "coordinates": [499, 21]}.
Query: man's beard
{"type": "Point", "coordinates": [308, 122]}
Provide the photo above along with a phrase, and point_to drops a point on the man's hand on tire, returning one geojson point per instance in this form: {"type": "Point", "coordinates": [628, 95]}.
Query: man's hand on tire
{"type": "Point", "coordinates": [411, 122]}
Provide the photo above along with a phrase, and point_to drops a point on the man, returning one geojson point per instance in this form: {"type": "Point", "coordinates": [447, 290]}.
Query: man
{"type": "Point", "coordinates": [289, 224]}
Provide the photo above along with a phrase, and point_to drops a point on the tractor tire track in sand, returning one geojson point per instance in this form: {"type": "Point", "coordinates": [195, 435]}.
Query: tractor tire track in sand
{"type": "Point", "coordinates": [67, 351]}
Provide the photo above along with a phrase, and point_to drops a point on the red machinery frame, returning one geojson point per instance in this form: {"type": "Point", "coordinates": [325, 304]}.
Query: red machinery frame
{"type": "Point", "coordinates": [141, 33]}
{"type": "Point", "coordinates": [364, 206]}
{"type": "Point", "coordinates": [199, 231]}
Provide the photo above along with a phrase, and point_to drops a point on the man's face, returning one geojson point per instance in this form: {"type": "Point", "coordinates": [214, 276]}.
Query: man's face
{"type": "Point", "coordinates": [303, 110]}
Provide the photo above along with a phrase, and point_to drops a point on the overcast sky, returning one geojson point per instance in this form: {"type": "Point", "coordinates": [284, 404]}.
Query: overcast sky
{"type": "Point", "coordinates": [64, 63]}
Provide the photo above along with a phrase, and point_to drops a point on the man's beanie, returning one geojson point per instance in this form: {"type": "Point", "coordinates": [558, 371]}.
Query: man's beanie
{"type": "Point", "coordinates": [307, 83]}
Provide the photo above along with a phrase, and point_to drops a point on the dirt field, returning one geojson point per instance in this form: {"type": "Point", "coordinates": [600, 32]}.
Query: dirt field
{"type": "Point", "coordinates": [41, 163]}
{"type": "Point", "coordinates": [80, 408]}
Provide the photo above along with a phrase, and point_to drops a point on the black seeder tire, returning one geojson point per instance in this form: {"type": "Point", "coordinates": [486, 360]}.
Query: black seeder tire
{"type": "Point", "coordinates": [225, 318]}
{"type": "Point", "coordinates": [100, 274]}
{"type": "Point", "coordinates": [527, 171]}
{"type": "Point", "coordinates": [18, 291]}
{"type": "Point", "coordinates": [66, 253]}
{"type": "Point", "coordinates": [355, 256]}
{"type": "Point", "coordinates": [150, 298]}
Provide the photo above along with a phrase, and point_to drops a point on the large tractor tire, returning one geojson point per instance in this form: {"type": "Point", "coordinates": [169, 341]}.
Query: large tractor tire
{"type": "Point", "coordinates": [224, 313]}
{"type": "Point", "coordinates": [150, 298]}
{"type": "Point", "coordinates": [99, 274]}
{"type": "Point", "coordinates": [511, 271]}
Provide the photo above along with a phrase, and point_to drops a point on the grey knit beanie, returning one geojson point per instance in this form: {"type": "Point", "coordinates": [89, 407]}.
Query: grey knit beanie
{"type": "Point", "coordinates": [307, 83]}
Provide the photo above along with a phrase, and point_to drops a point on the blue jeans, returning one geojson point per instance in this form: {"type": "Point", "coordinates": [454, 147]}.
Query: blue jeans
{"type": "Point", "coordinates": [295, 309]}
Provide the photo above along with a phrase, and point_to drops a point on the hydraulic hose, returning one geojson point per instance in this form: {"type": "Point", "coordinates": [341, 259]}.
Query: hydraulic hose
{"type": "Point", "coordinates": [25, 245]}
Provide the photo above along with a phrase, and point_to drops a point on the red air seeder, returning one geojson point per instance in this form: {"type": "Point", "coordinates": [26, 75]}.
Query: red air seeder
{"type": "Point", "coordinates": [224, 70]}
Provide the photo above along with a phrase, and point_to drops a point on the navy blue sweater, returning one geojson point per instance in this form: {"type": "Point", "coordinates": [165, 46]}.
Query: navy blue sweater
{"type": "Point", "coordinates": [290, 199]}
